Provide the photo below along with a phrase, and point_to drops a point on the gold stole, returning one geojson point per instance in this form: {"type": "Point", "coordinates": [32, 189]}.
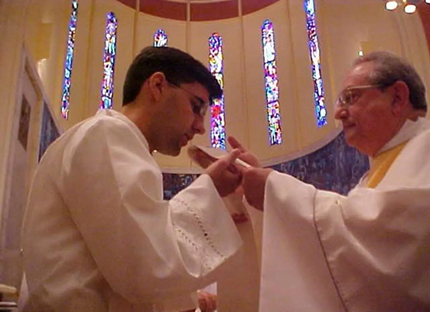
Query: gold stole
{"type": "Point", "coordinates": [381, 164]}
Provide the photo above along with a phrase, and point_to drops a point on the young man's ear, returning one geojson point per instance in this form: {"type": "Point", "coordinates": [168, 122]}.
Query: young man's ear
{"type": "Point", "coordinates": [401, 97]}
{"type": "Point", "coordinates": [157, 83]}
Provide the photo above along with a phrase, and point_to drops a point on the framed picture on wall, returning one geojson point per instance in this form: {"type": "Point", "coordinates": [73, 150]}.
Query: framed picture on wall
{"type": "Point", "coordinates": [48, 130]}
{"type": "Point", "coordinates": [24, 122]}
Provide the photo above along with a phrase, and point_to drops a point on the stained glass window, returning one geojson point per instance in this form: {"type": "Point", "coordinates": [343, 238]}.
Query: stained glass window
{"type": "Point", "coordinates": [109, 61]}
{"type": "Point", "coordinates": [320, 110]}
{"type": "Point", "coordinates": [217, 108]}
{"type": "Point", "coordinates": [271, 83]}
{"type": "Point", "coordinates": [160, 38]}
{"type": "Point", "coordinates": [65, 98]}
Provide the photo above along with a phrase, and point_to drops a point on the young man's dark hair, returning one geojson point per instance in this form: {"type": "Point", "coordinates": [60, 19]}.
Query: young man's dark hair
{"type": "Point", "coordinates": [178, 67]}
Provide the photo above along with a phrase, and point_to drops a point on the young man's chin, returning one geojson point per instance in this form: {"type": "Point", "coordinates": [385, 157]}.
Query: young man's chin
{"type": "Point", "coordinates": [171, 152]}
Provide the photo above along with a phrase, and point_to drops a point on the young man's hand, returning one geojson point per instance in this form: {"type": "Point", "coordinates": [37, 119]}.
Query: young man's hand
{"type": "Point", "coordinates": [224, 173]}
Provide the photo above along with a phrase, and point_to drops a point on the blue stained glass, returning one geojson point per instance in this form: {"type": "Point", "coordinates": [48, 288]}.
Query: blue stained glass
{"type": "Point", "coordinates": [217, 107]}
{"type": "Point", "coordinates": [65, 98]}
{"type": "Point", "coordinates": [314, 51]}
{"type": "Point", "coordinates": [271, 83]}
{"type": "Point", "coordinates": [160, 38]}
{"type": "Point", "coordinates": [109, 56]}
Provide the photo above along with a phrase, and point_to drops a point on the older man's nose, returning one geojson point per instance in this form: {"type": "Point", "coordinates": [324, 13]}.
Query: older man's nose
{"type": "Point", "coordinates": [340, 112]}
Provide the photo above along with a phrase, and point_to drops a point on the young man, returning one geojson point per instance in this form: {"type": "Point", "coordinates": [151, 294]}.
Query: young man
{"type": "Point", "coordinates": [367, 251]}
{"type": "Point", "coordinates": [97, 234]}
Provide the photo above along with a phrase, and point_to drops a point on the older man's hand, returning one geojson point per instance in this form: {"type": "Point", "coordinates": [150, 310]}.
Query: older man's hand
{"type": "Point", "coordinates": [245, 154]}
{"type": "Point", "coordinates": [254, 183]}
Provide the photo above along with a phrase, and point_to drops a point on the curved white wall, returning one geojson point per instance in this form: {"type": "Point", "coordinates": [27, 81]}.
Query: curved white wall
{"type": "Point", "coordinates": [343, 29]}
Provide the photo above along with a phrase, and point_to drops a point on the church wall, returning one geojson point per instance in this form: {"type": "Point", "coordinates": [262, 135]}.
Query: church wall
{"type": "Point", "coordinates": [235, 105]}
{"type": "Point", "coordinates": [124, 52]}
{"type": "Point", "coordinates": [256, 98]}
{"type": "Point", "coordinates": [46, 28]}
{"type": "Point", "coordinates": [343, 30]}
{"type": "Point", "coordinates": [424, 12]}
{"type": "Point", "coordinates": [335, 167]}
{"type": "Point", "coordinates": [12, 34]}
{"type": "Point", "coordinates": [346, 29]}
{"type": "Point", "coordinates": [18, 169]}
{"type": "Point", "coordinates": [20, 87]}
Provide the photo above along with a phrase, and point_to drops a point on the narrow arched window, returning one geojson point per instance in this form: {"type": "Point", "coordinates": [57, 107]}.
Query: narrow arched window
{"type": "Point", "coordinates": [271, 83]}
{"type": "Point", "coordinates": [314, 51]}
{"type": "Point", "coordinates": [65, 98]}
{"type": "Point", "coordinates": [217, 108]}
{"type": "Point", "coordinates": [109, 61]}
{"type": "Point", "coordinates": [160, 38]}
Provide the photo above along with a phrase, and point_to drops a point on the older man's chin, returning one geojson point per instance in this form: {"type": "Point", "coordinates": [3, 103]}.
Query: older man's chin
{"type": "Point", "coordinates": [350, 138]}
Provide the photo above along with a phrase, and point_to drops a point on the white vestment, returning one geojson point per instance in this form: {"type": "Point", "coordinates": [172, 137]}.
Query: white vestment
{"type": "Point", "coordinates": [368, 251]}
{"type": "Point", "coordinates": [238, 283]}
{"type": "Point", "coordinates": [98, 235]}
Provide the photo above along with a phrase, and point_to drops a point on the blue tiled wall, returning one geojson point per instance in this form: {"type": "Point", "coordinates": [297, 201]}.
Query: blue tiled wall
{"type": "Point", "coordinates": [335, 167]}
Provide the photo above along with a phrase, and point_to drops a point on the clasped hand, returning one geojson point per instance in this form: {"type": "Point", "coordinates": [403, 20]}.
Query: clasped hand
{"type": "Point", "coordinates": [229, 177]}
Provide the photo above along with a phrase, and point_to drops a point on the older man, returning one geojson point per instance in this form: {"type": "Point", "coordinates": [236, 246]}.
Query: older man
{"type": "Point", "coordinates": [370, 250]}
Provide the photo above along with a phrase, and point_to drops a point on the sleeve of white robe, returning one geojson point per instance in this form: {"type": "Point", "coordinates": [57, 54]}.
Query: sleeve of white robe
{"type": "Point", "coordinates": [295, 276]}
{"type": "Point", "coordinates": [238, 284]}
{"type": "Point", "coordinates": [144, 246]}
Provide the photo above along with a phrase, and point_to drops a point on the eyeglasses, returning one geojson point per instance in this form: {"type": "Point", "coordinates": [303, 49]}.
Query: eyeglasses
{"type": "Point", "coordinates": [199, 108]}
{"type": "Point", "coordinates": [348, 96]}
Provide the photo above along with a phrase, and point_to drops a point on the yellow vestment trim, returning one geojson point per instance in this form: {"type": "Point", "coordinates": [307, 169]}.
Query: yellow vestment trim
{"type": "Point", "coordinates": [381, 164]}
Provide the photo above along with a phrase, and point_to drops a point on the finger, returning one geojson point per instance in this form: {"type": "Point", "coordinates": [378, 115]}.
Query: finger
{"type": "Point", "coordinates": [202, 160]}
{"type": "Point", "coordinates": [199, 157]}
{"type": "Point", "coordinates": [236, 168]}
{"type": "Point", "coordinates": [232, 156]}
{"type": "Point", "coordinates": [244, 169]}
{"type": "Point", "coordinates": [228, 162]}
{"type": "Point", "coordinates": [236, 144]}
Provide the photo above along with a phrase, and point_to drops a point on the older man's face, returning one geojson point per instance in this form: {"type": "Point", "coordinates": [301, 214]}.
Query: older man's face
{"type": "Point", "coordinates": [366, 111]}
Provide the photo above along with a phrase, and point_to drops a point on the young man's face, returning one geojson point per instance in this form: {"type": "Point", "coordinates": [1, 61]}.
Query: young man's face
{"type": "Point", "coordinates": [181, 116]}
{"type": "Point", "coordinates": [366, 115]}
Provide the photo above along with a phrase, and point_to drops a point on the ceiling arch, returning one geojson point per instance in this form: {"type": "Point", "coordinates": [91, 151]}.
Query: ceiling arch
{"type": "Point", "coordinates": [200, 10]}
